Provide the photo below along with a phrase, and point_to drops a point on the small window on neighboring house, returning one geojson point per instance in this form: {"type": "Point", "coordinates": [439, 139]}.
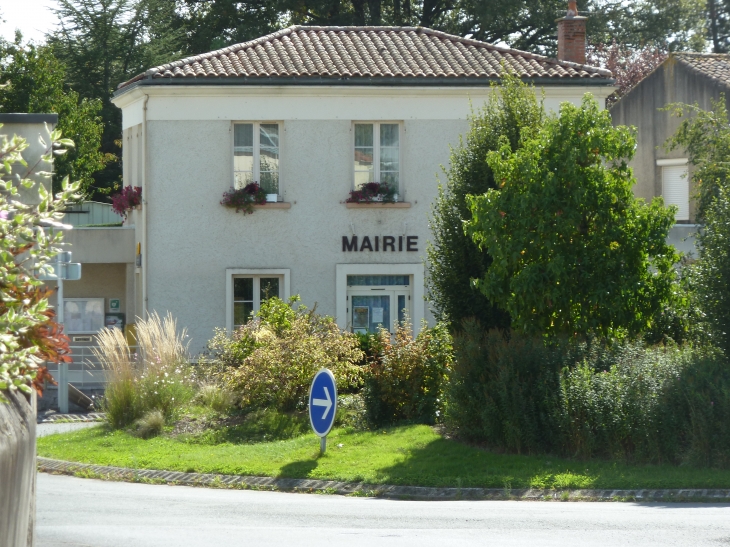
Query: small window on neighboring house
{"type": "Point", "coordinates": [256, 155]}
{"type": "Point", "coordinates": [377, 153]}
{"type": "Point", "coordinates": [675, 186]}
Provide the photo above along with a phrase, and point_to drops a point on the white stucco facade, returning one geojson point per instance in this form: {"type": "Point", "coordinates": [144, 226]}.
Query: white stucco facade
{"type": "Point", "coordinates": [179, 148]}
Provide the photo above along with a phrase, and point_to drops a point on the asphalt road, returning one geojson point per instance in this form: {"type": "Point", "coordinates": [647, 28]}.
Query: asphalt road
{"type": "Point", "coordinates": [76, 512]}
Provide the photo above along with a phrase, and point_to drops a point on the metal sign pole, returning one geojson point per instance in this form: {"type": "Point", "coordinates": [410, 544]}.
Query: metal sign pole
{"type": "Point", "coordinates": [62, 367]}
{"type": "Point", "coordinates": [322, 405]}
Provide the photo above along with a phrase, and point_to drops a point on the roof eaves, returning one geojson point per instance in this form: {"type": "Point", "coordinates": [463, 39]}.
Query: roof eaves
{"type": "Point", "coordinates": [391, 81]}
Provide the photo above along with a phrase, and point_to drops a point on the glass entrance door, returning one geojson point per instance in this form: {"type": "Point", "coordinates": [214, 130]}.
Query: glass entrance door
{"type": "Point", "coordinates": [370, 312]}
{"type": "Point", "coordinates": [376, 302]}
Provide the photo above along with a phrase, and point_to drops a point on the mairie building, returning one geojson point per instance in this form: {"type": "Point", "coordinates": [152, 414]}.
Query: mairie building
{"type": "Point", "coordinates": [309, 113]}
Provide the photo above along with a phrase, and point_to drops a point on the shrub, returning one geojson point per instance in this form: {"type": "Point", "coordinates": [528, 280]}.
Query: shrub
{"type": "Point", "coordinates": [29, 239]}
{"type": "Point", "coordinates": [574, 251]}
{"type": "Point", "coordinates": [614, 403]}
{"type": "Point", "coordinates": [511, 112]}
{"type": "Point", "coordinates": [271, 360]}
{"type": "Point", "coordinates": [406, 382]}
{"type": "Point", "coordinates": [590, 399]}
{"type": "Point", "coordinates": [155, 378]}
{"type": "Point", "coordinates": [504, 392]}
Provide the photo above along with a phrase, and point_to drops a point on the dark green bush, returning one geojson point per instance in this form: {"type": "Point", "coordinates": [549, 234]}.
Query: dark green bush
{"type": "Point", "coordinates": [504, 392]}
{"type": "Point", "coordinates": [701, 404]}
{"type": "Point", "coordinates": [405, 381]}
{"type": "Point", "coordinates": [589, 399]}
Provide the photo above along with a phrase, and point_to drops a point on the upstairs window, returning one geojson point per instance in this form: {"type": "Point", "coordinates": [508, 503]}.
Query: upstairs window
{"type": "Point", "coordinates": [256, 155]}
{"type": "Point", "coordinates": [675, 186]}
{"type": "Point", "coordinates": [377, 153]}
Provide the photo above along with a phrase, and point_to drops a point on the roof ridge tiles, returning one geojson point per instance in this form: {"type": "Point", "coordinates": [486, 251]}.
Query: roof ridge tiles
{"type": "Point", "coordinates": [352, 53]}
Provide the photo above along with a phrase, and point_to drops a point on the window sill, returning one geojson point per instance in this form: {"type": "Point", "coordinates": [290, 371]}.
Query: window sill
{"type": "Point", "coordinates": [379, 205]}
{"type": "Point", "coordinates": [272, 205]}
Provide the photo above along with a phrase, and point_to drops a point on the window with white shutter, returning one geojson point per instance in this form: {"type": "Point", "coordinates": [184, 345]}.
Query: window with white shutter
{"type": "Point", "coordinates": [675, 187]}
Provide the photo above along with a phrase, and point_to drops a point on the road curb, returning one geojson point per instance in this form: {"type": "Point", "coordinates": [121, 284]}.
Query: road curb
{"type": "Point", "coordinates": [85, 470]}
{"type": "Point", "coordinates": [71, 418]}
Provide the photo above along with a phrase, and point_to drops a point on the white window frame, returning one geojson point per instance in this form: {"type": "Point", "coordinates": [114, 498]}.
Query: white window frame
{"type": "Point", "coordinates": [376, 151]}
{"type": "Point", "coordinates": [676, 162]}
{"type": "Point", "coordinates": [231, 273]}
{"type": "Point", "coordinates": [256, 174]}
{"type": "Point", "coordinates": [415, 271]}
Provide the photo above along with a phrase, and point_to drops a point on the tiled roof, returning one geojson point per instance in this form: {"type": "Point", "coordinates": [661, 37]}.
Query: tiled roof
{"type": "Point", "coordinates": [714, 65]}
{"type": "Point", "coordinates": [351, 53]}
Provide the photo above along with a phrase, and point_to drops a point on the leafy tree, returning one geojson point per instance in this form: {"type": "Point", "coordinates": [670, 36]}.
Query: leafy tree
{"type": "Point", "coordinates": [511, 113]}
{"type": "Point", "coordinates": [105, 42]}
{"type": "Point", "coordinates": [36, 84]}
{"type": "Point", "coordinates": [28, 240]}
{"type": "Point", "coordinates": [705, 134]}
{"type": "Point", "coordinates": [664, 24]}
{"type": "Point", "coordinates": [628, 66]}
{"type": "Point", "coordinates": [573, 250]}
{"type": "Point", "coordinates": [718, 25]}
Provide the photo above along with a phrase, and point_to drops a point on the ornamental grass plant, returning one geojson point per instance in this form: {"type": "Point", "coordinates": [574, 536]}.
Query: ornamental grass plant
{"type": "Point", "coordinates": [156, 377]}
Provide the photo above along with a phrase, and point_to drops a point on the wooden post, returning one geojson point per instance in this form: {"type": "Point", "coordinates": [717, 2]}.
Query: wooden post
{"type": "Point", "coordinates": [17, 469]}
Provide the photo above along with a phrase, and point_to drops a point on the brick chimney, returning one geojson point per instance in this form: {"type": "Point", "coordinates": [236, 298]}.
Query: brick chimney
{"type": "Point", "coordinates": [572, 35]}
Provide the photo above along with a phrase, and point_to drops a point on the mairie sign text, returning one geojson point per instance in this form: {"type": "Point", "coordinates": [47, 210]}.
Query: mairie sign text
{"type": "Point", "coordinates": [380, 243]}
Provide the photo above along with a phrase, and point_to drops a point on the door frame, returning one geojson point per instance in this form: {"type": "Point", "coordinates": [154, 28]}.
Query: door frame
{"type": "Point", "coordinates": [417, 281]}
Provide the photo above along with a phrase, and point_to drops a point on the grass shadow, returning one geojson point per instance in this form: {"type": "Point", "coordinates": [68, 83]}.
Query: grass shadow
{"type": "Point", "coordinates": [298, 470]}
{"type": "Point", "coordinates": [448, 463]}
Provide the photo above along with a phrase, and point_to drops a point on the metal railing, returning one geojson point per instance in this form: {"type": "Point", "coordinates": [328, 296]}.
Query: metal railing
{"type": "Point", "coordinates": [84, 371]}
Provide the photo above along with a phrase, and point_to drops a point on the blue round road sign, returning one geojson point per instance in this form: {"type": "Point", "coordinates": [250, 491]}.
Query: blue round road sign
{"type": "Point", "coordinates": [322, 402]}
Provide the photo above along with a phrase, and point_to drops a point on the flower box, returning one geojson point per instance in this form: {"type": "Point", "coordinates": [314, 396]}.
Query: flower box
{"type": "Point", "coordinates": [244, 199]}
{"type": "Point", "coordinates": [373, 192]}
{"type": "Point", "coordinates": [129, 198]}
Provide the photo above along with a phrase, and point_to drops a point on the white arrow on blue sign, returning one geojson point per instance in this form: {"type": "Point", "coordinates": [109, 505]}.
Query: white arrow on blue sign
{"type": "Point", "coordinates": [322, 402]}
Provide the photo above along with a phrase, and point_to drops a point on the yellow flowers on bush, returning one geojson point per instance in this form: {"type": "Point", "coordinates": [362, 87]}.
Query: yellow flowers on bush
{"type": "Point", "coordinates": [405, 382]}
{"type": "Point", "coordinates": [271, 360]}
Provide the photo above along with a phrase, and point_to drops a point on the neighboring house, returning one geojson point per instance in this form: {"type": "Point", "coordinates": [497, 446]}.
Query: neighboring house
{"type": "Point", "coordinates": [106, 255]}
{"type": "Point", "coordinates": [683, 78]}
{"type": "Point", "coordinates": [309, 112]}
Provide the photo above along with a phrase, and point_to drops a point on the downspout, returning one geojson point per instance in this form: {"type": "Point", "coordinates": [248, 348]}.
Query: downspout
{"type": "Point", "coordinates": [144, 208]}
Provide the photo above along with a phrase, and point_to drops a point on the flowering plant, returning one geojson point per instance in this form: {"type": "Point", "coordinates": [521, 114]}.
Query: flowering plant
{"type": "Point", "coordinates": [243, 199]}
{"type": "Point", "coordinates": [126, 200]}
{"type": "Point", "coordinates": [372, 192]}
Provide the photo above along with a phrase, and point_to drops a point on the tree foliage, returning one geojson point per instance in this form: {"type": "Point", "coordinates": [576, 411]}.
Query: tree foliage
{"type": "Point", "coordinates": [666, 24]}
{"type": "Point", "coordinates": [105, 42]}
{"type": "Point", "coordinates": [29, 238]}
{"type": "Point", "coordinates": [454, 259]}
{"type": "Point", "coordinates": [705, 134]}
{"type": "Point", "coordinates": [628, 66]}
{"type": "Point", "coordinates": [573, 250]}
{"type": "Point", "coordinates": [36, 84]}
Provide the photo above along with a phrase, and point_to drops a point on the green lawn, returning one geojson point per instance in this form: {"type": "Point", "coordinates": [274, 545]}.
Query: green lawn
{"type": "Point", "coordinates": [408, 455]}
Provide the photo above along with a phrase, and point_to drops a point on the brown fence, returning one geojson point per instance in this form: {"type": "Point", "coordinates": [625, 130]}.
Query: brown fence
{"type": "Point", "coordinates": [17, 470]}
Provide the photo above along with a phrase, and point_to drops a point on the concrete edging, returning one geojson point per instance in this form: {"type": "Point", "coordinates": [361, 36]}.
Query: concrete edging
{"type": "Point", "coordinates": [47, 465]}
